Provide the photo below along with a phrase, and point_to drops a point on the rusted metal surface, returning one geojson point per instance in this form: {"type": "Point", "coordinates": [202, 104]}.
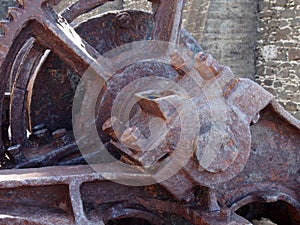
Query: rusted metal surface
{"type": "Point", "coordinates": [228, 141]}
{"type": "Point", "coordinates": [82, 196]}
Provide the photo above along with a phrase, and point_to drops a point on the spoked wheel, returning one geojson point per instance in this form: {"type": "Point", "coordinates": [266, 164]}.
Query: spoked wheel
{"type": "Point", "coordinates": [43, 58]}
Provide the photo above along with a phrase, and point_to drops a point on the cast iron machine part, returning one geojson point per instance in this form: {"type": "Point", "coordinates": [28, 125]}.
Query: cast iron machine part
{"type": "Point", "coordinates": [43, 55]}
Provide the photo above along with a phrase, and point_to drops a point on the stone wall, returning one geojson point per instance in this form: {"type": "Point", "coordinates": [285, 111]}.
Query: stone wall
{"type": "Point", "coordinates": [4, 4]}
{"type": "Point", "coordinates": [195, 17]}
{"type": "Point", "coordinates": [137, 5]}
{"type": "Point", "coordinates": [230, 34]}
{"type": "Point", "coordinates": [226, 29]}
{"type": "Point", "coordinates": [278, 48]}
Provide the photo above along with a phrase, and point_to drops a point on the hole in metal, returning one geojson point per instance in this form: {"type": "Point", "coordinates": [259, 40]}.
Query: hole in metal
{"type": "Point", "coordinates": [279, 212]}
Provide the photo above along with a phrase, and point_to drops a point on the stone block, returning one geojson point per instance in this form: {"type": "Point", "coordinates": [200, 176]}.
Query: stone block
{"type": "Point", "coordinates": [292, 88]}
{"type": "Point", "coordinates": [297, 115]}
{"type": "Point", "coordinates": [291, 106]}
{"type": "Point", "coordinates": [295, 22]}
{"type": "Point", "coordinates": [263, 6]}
{"type": "Point", "coordinates": [268, 82]}
{"type": "Point", "coordinates": [294, 54]}
{"type": "Point", "coordinates": [288, 13]}
{"type": "Point", "coordinates": [283, 34]}
{"type": "Point", "coordinates": [277, 84]}
{"type": "Point", "coordinates": [281, 3]}
{"type": "Point", "coordinates": [296, 98]}
{"type": "Point", "coordinates": [271, 90]}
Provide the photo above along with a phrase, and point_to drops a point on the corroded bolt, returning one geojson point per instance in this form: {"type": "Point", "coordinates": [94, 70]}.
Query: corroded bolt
{"type": "Point", "coordinates": [41, 137]}
{"type": "Point", "coordinates": [16, 152]}
{"type": "Point", "coordinates": [213, 202]}
{"type": "Point", "coordinates": [60, 137]}
{"type": "Point", "coordinates": [182, 60]}
{"type": "Point", "coordinates": [160, 104]}
{"type": "Point", "coordinates": [256, 118]}
{"type": "Point", "coordinates": [225, 214]}
{"type": "Point", "coordinates": [113, 127]}
{"type": "Point", "coordinates": [41, 133]}
{"type": "Point", "coordinates": [38, 127]}
{"type": "Point", "coordinates": [124, 20]}
{"type": "Point", "coordinates": [207, 66]}
{"type": "Point", "coordinates": [59, 133]}
{"type": "Point", "coordinates": [130, 137]}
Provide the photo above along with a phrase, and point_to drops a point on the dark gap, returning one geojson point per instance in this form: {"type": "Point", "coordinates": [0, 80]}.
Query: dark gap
{"type": "Point", "coordinates": [278, 212]}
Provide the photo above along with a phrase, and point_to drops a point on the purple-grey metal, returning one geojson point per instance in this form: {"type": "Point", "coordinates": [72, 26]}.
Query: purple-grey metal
{"type": "Point", "coordinates": [257, 161]}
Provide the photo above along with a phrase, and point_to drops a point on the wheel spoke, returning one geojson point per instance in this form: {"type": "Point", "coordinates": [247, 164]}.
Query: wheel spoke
{"type": "Point", "coordinates": [53, 32]}
{"type": "Point", "coordinates": [30, 55]}
{"type": "Point", "coordinates": [168, 17]}
{"type": "Point", "coordinates": [80, 7]}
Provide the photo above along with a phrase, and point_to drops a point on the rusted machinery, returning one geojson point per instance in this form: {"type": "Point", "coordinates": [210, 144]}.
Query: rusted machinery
{"type": "Point", "coordinates": [123, 119]}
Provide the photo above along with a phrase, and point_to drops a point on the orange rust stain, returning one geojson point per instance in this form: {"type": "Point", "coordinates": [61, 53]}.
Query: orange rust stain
{"type": "Point", "coordinates": [230, 87]}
